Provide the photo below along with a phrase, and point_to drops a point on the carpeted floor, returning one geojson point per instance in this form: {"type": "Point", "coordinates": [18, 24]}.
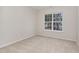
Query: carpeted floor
{"type": "Point", "coordinates": [39, 44]}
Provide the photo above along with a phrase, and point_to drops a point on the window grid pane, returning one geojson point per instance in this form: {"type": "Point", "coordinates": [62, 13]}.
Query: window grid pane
{"type": "Point", "coordinates": [57, 22]}
{"type": "Point", "coordinates": [48, 21]}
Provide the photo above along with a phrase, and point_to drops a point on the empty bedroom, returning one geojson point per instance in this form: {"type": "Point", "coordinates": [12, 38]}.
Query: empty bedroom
{"type": "Point", "coordinates": [39, 29]}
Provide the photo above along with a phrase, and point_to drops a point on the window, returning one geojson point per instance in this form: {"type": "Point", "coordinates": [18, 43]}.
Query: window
{"type": "Point", "coordinates": [53, 22]}
{"type": "Point", "coordinates": [48, 21]}
{"type": "Point", "coordinates": [57, 22]}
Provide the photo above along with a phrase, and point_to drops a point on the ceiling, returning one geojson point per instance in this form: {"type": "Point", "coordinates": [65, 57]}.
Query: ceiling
{"type": "Point", "coordinates": [40, 7]}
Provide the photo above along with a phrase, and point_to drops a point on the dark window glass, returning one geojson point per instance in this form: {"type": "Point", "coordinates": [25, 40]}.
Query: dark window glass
{"type": "Point", "coordinates": [57, 22]}
{"type": "Point", "coordinates": [48, 21]}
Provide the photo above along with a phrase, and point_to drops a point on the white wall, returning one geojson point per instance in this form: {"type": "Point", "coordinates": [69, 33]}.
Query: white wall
{"type": "Point", "coordinates": [1, 32]}
{"type": "Point", "coordinates": [78, 26]}
{"type": "Point", "coordinates": [69, 23]}
{"type": "Point", "coordinates": [16, 23]}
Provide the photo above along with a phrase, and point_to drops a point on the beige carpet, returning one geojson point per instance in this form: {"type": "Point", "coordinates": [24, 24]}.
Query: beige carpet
{"type": "Point", "coordinates": [41, 44]}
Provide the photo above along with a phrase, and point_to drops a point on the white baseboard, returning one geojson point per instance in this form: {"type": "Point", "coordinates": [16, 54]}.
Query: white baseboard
{"type": "Point", "coordinates": [56, 38]}
{"type": "Point", "coordinates": [7, 44]}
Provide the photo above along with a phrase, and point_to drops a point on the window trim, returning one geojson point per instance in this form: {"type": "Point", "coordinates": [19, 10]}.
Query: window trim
{"type": "Point", "coordinates": [53, 21]}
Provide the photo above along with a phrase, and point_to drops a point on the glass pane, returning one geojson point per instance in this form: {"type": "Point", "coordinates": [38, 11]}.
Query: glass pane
{"type": "Point", "coordinates": [48, 21]}
{"type": "Point", "coordinates": [57, 22]}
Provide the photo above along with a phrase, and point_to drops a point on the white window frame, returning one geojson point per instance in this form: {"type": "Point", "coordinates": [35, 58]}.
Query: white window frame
{"type": "Point", "coordinates": [53, 21]}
